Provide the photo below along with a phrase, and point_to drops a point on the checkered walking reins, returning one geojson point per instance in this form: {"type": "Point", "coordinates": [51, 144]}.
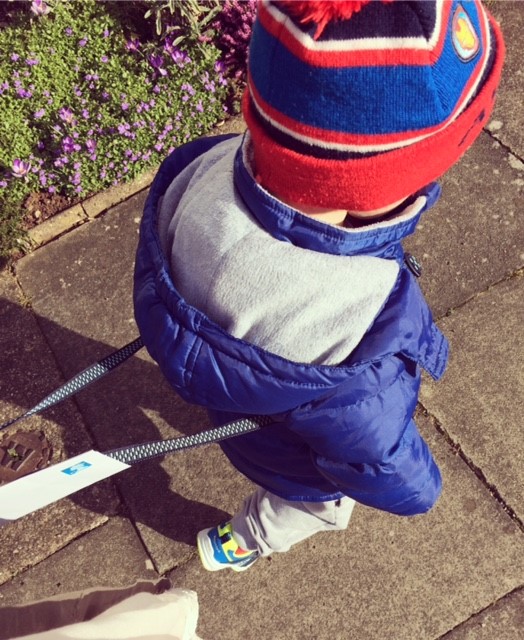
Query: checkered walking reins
{"type": "Point", "coordinates": [147, 450]}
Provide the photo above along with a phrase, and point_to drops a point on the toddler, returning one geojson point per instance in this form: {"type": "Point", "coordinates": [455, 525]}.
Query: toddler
{"type": "Point", "coordinates": [270, 275]}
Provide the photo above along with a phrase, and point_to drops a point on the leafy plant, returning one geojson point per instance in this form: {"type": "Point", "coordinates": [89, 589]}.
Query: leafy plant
{"type": "Point", "coordinates": [187, 20]}
{"type": "Point", "coordinates": [83, 107]}
{"type": "Point", "coordinates": [232, 33]}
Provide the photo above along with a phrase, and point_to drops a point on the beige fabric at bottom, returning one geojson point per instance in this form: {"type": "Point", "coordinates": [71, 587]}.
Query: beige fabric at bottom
{"type": "Point", "coordinates": [171, 615]}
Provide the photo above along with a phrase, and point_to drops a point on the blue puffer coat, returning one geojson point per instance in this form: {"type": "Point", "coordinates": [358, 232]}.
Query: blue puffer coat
{"type": "Point", "coordinates": [338, 430]}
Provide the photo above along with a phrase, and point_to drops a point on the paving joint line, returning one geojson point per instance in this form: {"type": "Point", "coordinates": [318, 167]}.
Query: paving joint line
{"type": "Point", "coordinates": [519, 273]}
{"type": "Point", "coordinates": [505, 146]}
{"type": "Point", "coordinates": [128, 513]}
{"type": "Point", "coordinates": [20, 573]}
{"type": "Point", "coordinates": [447, 635]}
{"type": "Point", "coordinates": [457, 450]}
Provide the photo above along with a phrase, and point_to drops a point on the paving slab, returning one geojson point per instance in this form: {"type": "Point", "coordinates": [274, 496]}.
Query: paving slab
{"type": "Point", "coordinates": [502, 621]}
{"type": "Point", "coordinates": [506, 123]}
{"type": "Point", "coordinates": [29, 372]}
{"type": "Point", "coordinates": [474, 236]}
{"type": "Point", "coordinates": [386, 577]}
{"type": "Point", "coordinates": [110, 556]}
{"type": "Point", "coordinates": [480, 400]}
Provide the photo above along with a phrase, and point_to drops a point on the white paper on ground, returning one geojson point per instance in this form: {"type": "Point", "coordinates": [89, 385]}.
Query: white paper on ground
{"type": "Point", "coordinates": [37, 490]}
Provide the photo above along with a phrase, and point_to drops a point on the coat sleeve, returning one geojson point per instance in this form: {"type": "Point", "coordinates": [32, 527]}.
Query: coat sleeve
{"type": "Point", "coordinates": [364, 440]}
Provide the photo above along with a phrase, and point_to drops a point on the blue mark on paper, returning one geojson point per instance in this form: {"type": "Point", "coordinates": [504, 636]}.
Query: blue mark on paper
{"type": "Point", "coordinates": [79, 466]}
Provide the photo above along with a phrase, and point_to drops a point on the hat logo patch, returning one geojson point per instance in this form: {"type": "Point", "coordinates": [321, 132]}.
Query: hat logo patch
{"type": "Point", "coordinates": [464, 36]}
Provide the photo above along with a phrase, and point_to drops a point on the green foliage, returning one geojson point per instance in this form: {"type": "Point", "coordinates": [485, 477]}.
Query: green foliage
{"type": "Point", "coordinates": [84, 108]}
{"type": "Point", "coordinates": [187, 19]}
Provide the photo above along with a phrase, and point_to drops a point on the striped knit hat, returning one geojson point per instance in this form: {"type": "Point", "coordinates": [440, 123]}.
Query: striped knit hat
{"type": "Point", "coordinates": [357, 105]}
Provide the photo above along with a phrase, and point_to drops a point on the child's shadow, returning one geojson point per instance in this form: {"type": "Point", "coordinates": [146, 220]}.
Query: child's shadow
{"type": "Point", "coordinates": [130, 405]}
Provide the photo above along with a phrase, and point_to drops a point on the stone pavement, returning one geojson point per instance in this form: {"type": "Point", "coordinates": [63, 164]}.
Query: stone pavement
{"type": "Point", "coordinates": [455, 574]}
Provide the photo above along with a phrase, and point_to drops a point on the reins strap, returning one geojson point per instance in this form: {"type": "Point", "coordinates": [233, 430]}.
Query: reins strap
{"type": "Point", "coordinates": [82, 380]}
{"type": "Point", "coordinates": [148, 450]}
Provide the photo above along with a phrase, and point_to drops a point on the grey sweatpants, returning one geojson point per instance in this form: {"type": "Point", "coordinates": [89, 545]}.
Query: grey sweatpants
{"type": "Point", "coordinates": [267, 523]}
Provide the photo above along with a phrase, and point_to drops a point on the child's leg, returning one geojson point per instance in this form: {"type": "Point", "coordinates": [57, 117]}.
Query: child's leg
{"type": "Point", "coordinates": [267, 523]}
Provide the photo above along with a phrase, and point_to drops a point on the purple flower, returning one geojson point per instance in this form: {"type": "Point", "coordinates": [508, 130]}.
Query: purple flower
{"type": "Point", "coordinates": [180, 58]}
{"type": "Point", "coordinates": [60, 162]}
{"type": "Point", "coordinates": [39, 8]}
{"type": "Point", "coordinates": [125, 106]}
{"type": "Point", "coordinates": [23, 93]}
{"type": "Point", "coordinates": [20, 168]}
{"type": "Point", "coordinates": [15, 57]}
{"type": "Point", "coordinates": [199, 107]}
{"type": "Point", "coordinates": [31, 62]}
{"type": "Point", "coordinates": [133, 44]}
{"type": "Point", "coordinates": [91, 145]}
{"type": "Point", "coordinates": [104, 59]}
{"type": "Point", "coordinates": [3, 184]}
{"type": "Point", "coordinates": [66, 115]}
{"type": "Point", "coordinates": [51, 189]}
{"type": "Point", "coordinates": [188, 88]}
{"type": "Point", "coordinates": [156, 61]}
{"type": "Point", "coordinates": [39, 114]}
{"type": "Point", "coordinates": [107, 33]}
{"type": "Point", "coordinates": [82, 42]}
{"type": "Point", "coordinates": [68, 31]}
{"type": "Point", "coordinates": [69, 145]}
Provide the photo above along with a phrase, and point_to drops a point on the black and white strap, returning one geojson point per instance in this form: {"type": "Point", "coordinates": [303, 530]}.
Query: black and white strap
{"type": "Point", "coordinates": [147, 450]}
{"type": "Point", "coordinates": [81, 380]}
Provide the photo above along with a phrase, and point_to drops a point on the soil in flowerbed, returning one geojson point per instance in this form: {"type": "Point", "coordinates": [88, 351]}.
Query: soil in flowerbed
{"type": "Point", "coordinates": [40, 206]}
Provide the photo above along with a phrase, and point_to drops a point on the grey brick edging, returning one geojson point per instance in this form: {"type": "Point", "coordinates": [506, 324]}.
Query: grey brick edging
{"type": "Point", "coordinates": [92, 207]}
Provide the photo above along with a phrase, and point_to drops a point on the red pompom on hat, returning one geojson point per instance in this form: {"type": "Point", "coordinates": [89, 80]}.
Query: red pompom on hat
{"type": "Point", "coordinates": [321, 12]}
{"type": "Point", "coordinates": [356, 105]}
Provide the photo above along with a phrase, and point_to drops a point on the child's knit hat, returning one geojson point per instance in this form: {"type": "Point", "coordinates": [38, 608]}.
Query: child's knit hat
{"type": "Point", "coordinates": [357, 105]}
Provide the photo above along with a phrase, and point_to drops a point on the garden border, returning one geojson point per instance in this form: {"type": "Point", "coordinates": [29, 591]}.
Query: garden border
{"type": "Point", "coordinates": [94, 206]}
